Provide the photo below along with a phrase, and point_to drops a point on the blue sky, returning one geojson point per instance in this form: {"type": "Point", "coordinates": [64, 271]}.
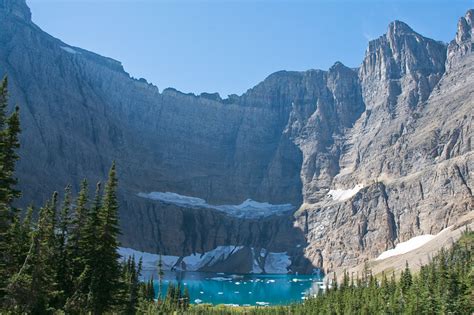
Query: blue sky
{"type": "Point", "coordinates": [229, 46]}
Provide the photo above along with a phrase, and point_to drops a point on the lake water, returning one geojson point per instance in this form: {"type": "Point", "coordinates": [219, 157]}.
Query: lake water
{"type": "Point", "coordinates": [249, 289]}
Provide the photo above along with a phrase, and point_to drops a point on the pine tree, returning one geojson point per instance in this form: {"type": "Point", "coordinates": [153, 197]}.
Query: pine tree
{"type": "Point", "coordinates": [86, 257]}
{"type": "Point", "coordinates": [160, 277]}
{"type": "Point", "coordinates": [406, 279]}
{"type": "Point", "coordinates": [186, 298]}
{"type": "Point", "coordinates": [77, 254]}
{"type": "Point", "coordinates": [48, 254]}
{"type": "Point", "coordinates": [104, 284]}
{"type": "Point", "coordinates": [33, 289]}
{"type": "Point", "coordinates": [64, 276]}
{"type": "Point", "coordinates": [131, 272]}
{"type": "Point", "coordinates": [149, 292]}
{"type": "Point", "coordinates": [9, 132]}
{"type": "Point", "coordinates": [78, 224]}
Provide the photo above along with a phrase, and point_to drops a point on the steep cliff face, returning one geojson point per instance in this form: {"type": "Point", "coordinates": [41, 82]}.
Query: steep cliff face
{"type": "Point", "coordinates": [81, 110]}
{"type": "Point", "coordinates": [410, 151]}
{"type": "Point", "coordinates": [373, 155]}
{"type": "Point", "coordinates": [175, 230]}
{"type": "Point", "coordinates": [15, 8]}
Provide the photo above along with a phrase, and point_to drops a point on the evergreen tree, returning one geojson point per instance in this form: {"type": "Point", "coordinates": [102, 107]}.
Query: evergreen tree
{"type": "Point", "coordinates": [406, 279]}
{"type": "Point", "coordinates": [104, 284]}
{"type": "Point", "coordinates": [64, 276]}
{"type": "Point", "coordinates": [186, 298]}
{"type": "Point", "coordinates": [77, 253]}
{"type": "Point", "coordinates": [9, 132]}
{"type": "Point", "coordinates": [33, 289]}
{"type": "Point", "coordinates": [87, 256]}
{"type": "Point", "coordinates": [74, 246]}
{"type": "Point", "coordinates": [160, 277]}
{"type": "Point", "coordinates": [131, 273]}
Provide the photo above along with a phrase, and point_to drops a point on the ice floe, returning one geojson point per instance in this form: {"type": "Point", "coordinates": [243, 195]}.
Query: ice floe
{"type": "Point", "coordinates": [249, 209]}
{"type": "Point", "coordinates": [220, 279]}
{"type": "Point", "coordinates": [262, 303]}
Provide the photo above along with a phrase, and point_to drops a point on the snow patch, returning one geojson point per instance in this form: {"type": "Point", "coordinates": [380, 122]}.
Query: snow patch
{"type": "Point", "coordinates": [191, 262]}
{"type": "Point", "coordinates": [149, 261]}
{"type": "Point", "coordinates": [220, 253]}
{"type": "Point", "coordinates": [69, 50]}
{"type": "Point", "coordinates": [249, 209]}
{"type": "Point", "coordinates": [405, 247]}
{"type": "Point", "coordinates": [344, 194]}
{"type": "Point", "coordinates": [272, 262]}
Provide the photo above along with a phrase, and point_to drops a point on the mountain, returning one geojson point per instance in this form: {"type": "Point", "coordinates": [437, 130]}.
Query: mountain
{"type": "Point", "coordinates": [334, 167]}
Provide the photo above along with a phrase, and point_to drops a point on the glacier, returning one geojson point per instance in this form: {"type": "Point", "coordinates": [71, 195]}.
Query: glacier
{"type": "Point", "coordinates": [272, 262]}
{"type": "Point", "coordinates": [249, 209]}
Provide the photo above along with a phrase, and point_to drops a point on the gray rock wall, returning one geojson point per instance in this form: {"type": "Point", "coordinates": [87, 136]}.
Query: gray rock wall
{"type": "Point", "coordinates": [401, 125]}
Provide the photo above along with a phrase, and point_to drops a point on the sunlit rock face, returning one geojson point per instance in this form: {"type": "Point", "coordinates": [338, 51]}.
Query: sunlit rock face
{"type": "Point", "coordinates": [373, 155]}
{"type": "Point", "coordinates": [411, 150]}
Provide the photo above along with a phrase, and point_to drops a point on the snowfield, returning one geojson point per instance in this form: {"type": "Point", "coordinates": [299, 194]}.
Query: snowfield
{"type": "Point", "coordinates": [69, 50]}
{"type": "Point", "coordinates": [272, 262]}
{"type": "Point", "coordinates": [405, 247]}
{"type": "Point", "coordinates": [344, 194]}
{"type": "Point", "coordinates": [150, 261]}
{"type": "Point", "coordinates": [249, 209]}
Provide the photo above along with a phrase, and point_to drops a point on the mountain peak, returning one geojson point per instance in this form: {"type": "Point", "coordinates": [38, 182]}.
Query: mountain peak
{"type": "Point", "coordinates": [470, 16]}
{"type": "Point", "coordinates": [399, 28]}
{"type": "Point", "coordinates": [16, 8]}
{"type": "Point", "coordinates": [462, 44]}
{"type": "Point", "coordinates": [465, 26]}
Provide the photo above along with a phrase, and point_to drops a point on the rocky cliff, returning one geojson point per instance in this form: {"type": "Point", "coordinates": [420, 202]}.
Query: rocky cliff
{"type": "Point", "coordinates": [374, 155]}
{"type": "Point", "coordinates": [410, 150]}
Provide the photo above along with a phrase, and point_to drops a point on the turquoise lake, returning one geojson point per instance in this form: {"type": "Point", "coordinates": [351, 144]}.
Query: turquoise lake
{"type": "Point", "coordinates": [238, 289]}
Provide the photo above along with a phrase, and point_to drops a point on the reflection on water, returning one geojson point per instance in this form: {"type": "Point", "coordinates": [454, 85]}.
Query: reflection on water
{"type": "Point", "coordinates": [248, 289]}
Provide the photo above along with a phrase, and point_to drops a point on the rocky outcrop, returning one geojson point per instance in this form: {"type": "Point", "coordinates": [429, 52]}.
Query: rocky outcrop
{"type": "Point", "coordinates": [463, 44]}
{"type": "Point", "coordinates": [411, 152]}
{"type": "Point", "coordinates": [400, 69]}
{"type": "Point", "coordinates": [318, 126]}
{"type": "Point", "coordinates": [15, 8]}
{"type": "Point", "coordinates": [400, 126]}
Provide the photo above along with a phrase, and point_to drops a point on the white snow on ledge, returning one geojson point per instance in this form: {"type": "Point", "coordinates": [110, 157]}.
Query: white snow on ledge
{"type": "Point", "coordinates": [344, 194]}
{"type": "Point", "coordinates": [69, 50]}
{"type": "Point", "coordinates": [405, 247]}
{"type": "Point", "coordinates": [249, 209]}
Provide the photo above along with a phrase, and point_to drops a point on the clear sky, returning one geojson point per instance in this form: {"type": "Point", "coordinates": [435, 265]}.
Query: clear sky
{"type": "Point", "coordinates": [229, 46]}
